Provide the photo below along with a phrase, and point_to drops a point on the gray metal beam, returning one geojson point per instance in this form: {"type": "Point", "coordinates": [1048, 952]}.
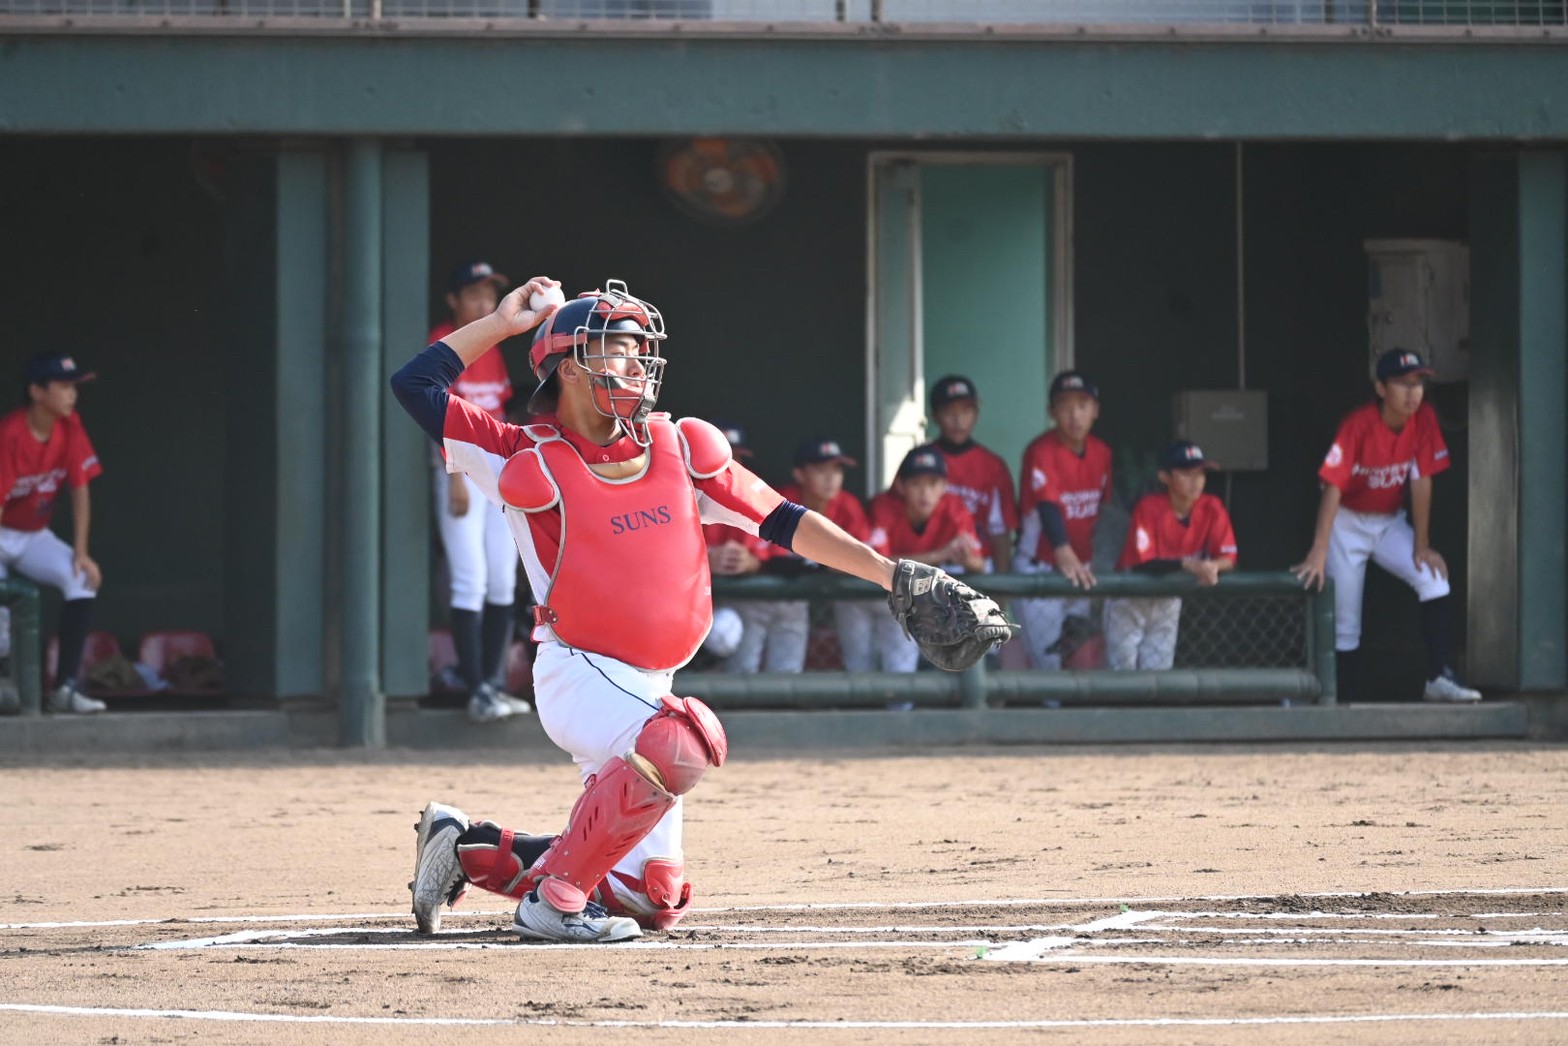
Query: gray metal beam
{"type": "Point", "coordinates": [674, 84]}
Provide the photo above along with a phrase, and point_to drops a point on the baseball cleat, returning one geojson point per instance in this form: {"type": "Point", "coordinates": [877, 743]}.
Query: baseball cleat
{"type": "Point", "coordinates": [1447, 687]}
{"type": "Point", "coordinates": [515, 703]}
{"type": "Point", "coordinates": [539, 920]}
{"type": "Point", "coordinates": [485, 705]}
{"type": "Point", "coordinates": [438, 876]}
{"type": "Point", "coordinates": [66, 698]}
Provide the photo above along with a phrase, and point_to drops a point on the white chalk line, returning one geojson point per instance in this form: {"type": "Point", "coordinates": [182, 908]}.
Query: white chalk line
{"type": "Point", "coordinates": [1042, 952]}
{"type": "Point", "coordinates": [1006, 902]}
{"type": "Point", "coordinates": [1118, 1022]}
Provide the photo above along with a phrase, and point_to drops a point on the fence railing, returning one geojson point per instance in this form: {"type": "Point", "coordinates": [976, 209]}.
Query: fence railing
{"type": "Point", "coordinates": [1253, 638]}
{"type": "Point", "coordinates": [1372, 14]}
{"type": "Point", "coordinates": [21, 598]}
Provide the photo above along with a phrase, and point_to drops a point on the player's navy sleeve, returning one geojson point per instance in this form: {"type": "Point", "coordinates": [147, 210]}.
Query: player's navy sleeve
{"type": "Point", "coordinates": [420, 386]}
{"type": "Point", "coordinates": [779, 526]}
{"type": "Point", "coordinates": [1052, 522]}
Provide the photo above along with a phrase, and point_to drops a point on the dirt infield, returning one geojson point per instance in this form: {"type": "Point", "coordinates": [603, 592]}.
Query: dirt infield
{"type": "Point", "coordinates": [1133, 895]}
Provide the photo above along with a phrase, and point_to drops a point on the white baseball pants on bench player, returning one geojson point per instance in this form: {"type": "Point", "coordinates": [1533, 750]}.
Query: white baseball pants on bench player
{"type": "Point", "coordinates": [1042, 618]}
{"type": "Point", "coordinates": [1387, 540]}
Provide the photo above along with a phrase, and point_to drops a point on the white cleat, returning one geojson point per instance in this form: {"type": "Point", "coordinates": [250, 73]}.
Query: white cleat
{"type": "Point", "coordinates": [1448, 688]}
{"type": "Point", "coordinates": [540, 920]}
{"type": "Point", "coordinates": [438, 876]}
{"type": "Point", "coordinates": [485, 705]}
{"type": "Point", "coordinates": [65, 698]}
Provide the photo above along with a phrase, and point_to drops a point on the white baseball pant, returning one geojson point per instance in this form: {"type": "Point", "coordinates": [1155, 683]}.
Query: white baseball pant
{"type": "Point", "coordinates": [898, 652]}
{"type": "Point", "coordinates": [774, 637]}
{"type": "Point", "coordinates": [593, 707]}
{"type": "Point", "coordinates": [1141, 633]}
{"type": "Point", "coordinates": [1387, 540]}
{"type": "Point", "coordinates": [856, 621]}
{"type": "Point", "coordinates": [43, 557]}
{"type": "Point", "coordinates": [1042, 618]}
{"type": "Point", "coordinates": [480, 554]}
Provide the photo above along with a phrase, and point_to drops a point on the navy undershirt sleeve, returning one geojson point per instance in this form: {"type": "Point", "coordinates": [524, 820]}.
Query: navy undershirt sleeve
{"type": "Point", "coordinates": [779, 527]}
{"type": "Point", "coordinates": [1052, 522]}
{"type": "Point", "coordinates": [420, 386]}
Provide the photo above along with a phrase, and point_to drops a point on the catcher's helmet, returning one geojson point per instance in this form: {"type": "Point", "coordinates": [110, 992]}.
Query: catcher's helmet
{"type": "Point", "coordinates": [626, 385]}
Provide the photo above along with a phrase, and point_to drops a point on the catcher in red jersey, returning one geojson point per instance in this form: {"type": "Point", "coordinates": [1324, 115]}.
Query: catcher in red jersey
{"type": "Point", "coordinates": [979, 477]}
{"type": "Point", "coordinates": [1380, 450]}
{"type": "Point", "coordinates": [918, 519]}
{"type": "Point", "coordinates": [606, 500]}
{"type": "Point", "coordinates": [44, 450]}
{"type": "Point", "coordinates": [1181, 528]}
{"type": "Point", "coordinates": [1064, 479]}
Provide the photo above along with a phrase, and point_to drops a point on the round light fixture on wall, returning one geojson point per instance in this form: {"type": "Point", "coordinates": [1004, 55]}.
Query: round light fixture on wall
{"type": "Point", "coordinates": [725, 181]}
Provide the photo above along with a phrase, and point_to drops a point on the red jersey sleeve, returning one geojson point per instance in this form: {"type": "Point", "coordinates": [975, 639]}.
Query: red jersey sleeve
{"type": "Point", "coordinates": [845, 510]}
{"type": "Point", "coordinates": [736, 496]}
{"type": "Point", "coordinates": [81, 460]}
{"type": "Point", "coordinates": [1141, 532]}
{"type": "Point", "coordinates": [1222, 535]}
{"type": "Point", "coordinates": [1431, 450]}
{"type": "Point", "coordinates": [1341, 456]}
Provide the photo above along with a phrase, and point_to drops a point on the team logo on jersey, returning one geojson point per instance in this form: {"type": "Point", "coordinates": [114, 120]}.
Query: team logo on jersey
{"type": "Point", "coordinates": [1335, 456]}
{"type": "Point", "coordinates": [640, 520]}
{"type": "Point", "coordinates": [1145, 542]}
{"type": "Point", "coordinates": [1037, 477]}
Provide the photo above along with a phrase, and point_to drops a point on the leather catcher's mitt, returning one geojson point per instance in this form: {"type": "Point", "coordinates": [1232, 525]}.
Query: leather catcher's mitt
{"type": "Point", "coordinates": [954, 625]}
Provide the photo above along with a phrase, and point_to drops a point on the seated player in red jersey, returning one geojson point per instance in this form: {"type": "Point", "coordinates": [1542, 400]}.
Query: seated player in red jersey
{"type": "Point", "coordinates": [918, 519]}
{"type": "Point", "coordinates": [818, 472]}
{"type": "Point", "coordinates": [606, 500]}
{"type": "Point", "coordinates": [1064, 480]}
{"type": "Point", "coordinates": [979, 477]}
{"type": "Point", "coordinates": [1180, 529]}
{"type": "Point", "coordinates": [44, 449]}
{"type": "Point", "coordinates": [1381, 449]}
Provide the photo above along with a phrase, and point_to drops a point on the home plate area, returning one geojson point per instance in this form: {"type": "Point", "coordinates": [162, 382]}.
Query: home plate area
{"type": "Point", "coordinates": [1402, 961]}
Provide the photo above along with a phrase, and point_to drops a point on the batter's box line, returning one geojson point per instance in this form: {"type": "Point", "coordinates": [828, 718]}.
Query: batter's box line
{"type": "Point", "coordinates": [803, 1025]}
{"type": "Point", "coordinates": [1002, 902]}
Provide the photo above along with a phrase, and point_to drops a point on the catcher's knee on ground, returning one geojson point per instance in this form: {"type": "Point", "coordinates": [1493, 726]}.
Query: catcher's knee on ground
{"type": "Point", "coordinates": [622, 803]}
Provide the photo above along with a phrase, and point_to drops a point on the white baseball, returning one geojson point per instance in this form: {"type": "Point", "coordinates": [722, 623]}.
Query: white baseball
{"type": "Point", "coordinates": [546, 298]}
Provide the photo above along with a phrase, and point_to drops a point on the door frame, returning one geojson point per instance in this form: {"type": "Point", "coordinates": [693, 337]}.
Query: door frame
{"type": "Point", "coordinates": [1059, 290]}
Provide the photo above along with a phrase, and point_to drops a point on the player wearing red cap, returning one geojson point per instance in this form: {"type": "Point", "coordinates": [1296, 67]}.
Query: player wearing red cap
{"type": "Point", "coordinates": [1181, 528]}
{"type": "Point", "coordinates": [1381, 449]}
{"type": "Point", "coordinates": [606, 500]}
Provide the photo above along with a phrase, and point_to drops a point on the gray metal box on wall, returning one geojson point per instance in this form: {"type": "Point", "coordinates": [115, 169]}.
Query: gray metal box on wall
{"type": "Point", "coordinates": [1231, 425]}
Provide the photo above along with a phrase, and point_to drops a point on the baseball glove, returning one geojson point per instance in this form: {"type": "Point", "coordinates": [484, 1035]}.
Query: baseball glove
{"type": "Point", "coordinates": [954, 625]}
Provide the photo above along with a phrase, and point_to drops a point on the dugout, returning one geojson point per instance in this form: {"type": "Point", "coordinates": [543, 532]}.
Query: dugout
{"type": "Point", "coordinates": [245, 263]}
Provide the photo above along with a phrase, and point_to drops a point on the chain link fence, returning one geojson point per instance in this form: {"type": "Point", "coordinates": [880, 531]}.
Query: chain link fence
{"type": "Point", "coordinates": [1384, 13]}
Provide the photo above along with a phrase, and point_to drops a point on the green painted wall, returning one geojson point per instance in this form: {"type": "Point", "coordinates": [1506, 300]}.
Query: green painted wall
{"type": "Point", "coordinates": [671, 83]}
{"type": "Point", "coordinates": [986, 235]}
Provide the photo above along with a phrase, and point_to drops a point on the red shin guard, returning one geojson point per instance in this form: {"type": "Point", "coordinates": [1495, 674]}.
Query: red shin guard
{"type": "Point", "coordinates": [495, 867]}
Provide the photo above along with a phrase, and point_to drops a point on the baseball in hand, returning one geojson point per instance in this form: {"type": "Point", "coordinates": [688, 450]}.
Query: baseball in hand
{"type": "Point", "coordinates": [546, 298]}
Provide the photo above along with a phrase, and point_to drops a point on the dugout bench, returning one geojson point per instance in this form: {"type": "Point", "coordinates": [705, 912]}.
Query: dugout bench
{"type": "Point", "coordinates": [21, 597]}
{"type": "Point", "coordinates": [1299, 625]}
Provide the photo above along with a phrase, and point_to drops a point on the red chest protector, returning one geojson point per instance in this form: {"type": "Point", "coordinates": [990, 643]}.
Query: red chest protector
{"type": "Point", "coordinates": [631, 580]}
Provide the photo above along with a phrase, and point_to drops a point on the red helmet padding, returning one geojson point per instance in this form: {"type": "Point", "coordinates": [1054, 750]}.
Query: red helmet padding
{"type": "Point", "coordinates": [526, 484]}
{"type": "Point", "coordinates": [707, 451]}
